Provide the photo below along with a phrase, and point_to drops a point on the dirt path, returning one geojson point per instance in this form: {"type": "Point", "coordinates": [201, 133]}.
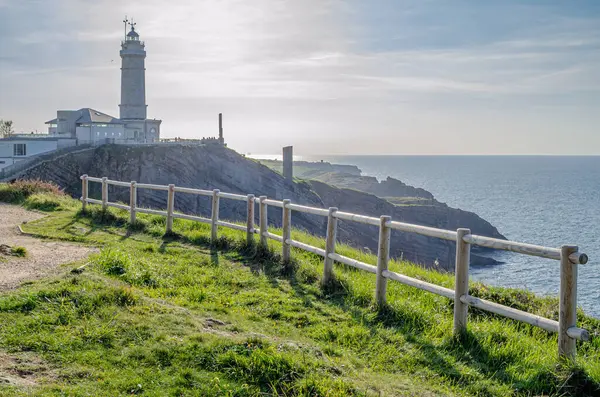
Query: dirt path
{"type": "Point", "coordinates": [43, 257]}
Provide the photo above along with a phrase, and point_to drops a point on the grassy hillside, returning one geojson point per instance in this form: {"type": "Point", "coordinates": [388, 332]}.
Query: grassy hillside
{"type": "Point", "coordinates": [170, 315]}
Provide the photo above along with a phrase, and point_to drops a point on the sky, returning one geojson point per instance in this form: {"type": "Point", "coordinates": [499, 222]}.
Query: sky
{"type": "Point", "coordinates": [326, 76]}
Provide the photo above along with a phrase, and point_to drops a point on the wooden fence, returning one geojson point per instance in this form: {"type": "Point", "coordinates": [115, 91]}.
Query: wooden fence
{"type": "Point", "coordinates": [568, 255]}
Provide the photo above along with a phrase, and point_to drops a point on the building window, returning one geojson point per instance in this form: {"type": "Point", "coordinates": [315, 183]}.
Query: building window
{"type": "Point", "coordinates": [2, 162]}
{"type": "Point", "coordinates": [20, 149]}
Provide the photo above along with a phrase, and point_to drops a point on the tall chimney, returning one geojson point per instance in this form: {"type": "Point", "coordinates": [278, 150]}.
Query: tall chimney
{"type": "Point", "coordinates": [221, 140]}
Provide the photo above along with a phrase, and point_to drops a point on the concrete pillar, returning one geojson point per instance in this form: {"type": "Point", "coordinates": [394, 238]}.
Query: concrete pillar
{"type": "Point", "coordinates": [221, 139]}
{"type": "Point", "coordinates": [288, 163]}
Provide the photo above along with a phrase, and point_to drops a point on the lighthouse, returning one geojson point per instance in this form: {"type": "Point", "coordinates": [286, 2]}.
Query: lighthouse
{"type": "Point", "coordinates": [90, 126]}
{"type": "Point", "coordinates": [133, 108]}
{"type": "Point", "coordinates": [133, 77]}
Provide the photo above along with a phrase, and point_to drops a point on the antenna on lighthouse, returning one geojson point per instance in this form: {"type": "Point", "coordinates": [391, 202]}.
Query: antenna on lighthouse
{"type": "Point", "coordinates": [132, 24]}
{"type": "Point", "coordinates": [125, 21]}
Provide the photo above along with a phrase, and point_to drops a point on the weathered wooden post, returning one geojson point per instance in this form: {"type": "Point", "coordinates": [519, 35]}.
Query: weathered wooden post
{"type": "Point", "coordinates": [132, 202]}
{"type": "Point", "coordinates": [329, 246]}
{"type": "Point", "coordinates": [567, 316]}
{"type": "Point", "coordinates": [84, 192]}
{"type": "Point", "coordinates": [383, 257]}
{"type": "Point", "coordinates": [287, 231]}
{"type": "Point", "coordinates": [264, 225]}
{"type": "Point", "coordinates": [214, 217]}
{"type": "Point", "coordinates": [463, 257]}
{"type": "Point", "coordinates": [104, 193]}
{"type": "Point", "coordinates": [170, 207]}
{"type": "Point", "coordinates": [250, 221]}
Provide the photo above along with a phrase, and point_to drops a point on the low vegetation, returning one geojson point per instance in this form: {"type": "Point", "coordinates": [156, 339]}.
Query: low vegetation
{"type": "Point", "coordinates": [19, 251]}
{"type": "Point", "coordinates": [172, 315]}
{"type": "Point", "coordinates": [18, 191]}
{"type": "Point", "coordinates": [6, 128]}
{"type": "Point", "coordinates": [13, 251]}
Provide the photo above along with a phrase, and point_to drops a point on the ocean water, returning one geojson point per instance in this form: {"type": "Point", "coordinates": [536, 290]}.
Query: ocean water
{"type": "Point", "coordinates": [544, 200]}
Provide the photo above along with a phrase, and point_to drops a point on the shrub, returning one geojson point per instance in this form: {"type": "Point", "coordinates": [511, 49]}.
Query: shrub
{"type": "Point", "coordinates": [18, 191]}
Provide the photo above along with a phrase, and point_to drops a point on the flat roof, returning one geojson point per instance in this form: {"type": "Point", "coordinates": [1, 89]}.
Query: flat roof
{"type": "Point", "coordinates": [38, 138]}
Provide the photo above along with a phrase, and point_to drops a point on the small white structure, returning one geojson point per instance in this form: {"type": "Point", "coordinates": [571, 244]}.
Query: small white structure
{"type": "Point", "coordinates": [20, 147]}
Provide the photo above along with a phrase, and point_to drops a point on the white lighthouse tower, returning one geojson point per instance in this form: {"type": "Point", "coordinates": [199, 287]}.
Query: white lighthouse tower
{"type": "Point", "coordinates": [133, 108]}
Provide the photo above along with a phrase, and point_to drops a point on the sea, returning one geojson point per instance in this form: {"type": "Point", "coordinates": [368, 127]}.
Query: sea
{"type": "Point", "coordinates": [543, 200]}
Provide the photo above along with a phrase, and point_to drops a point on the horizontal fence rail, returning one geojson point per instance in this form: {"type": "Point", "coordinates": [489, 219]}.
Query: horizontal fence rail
{"type": "Point", "coordinates": [569, 256]}
{"type": "Point", "coordinates": [522, 248]}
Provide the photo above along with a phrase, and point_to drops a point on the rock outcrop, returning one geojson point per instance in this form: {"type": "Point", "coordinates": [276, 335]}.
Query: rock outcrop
{"type": "Point", "coordinates": [389, 187]}
{"type": "Point", "coordinates": [350, 177]}
{"type": "Point", "coordinates": [215, 167]}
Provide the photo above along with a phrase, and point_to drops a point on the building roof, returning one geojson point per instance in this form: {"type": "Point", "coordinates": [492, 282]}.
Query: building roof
{"type": "Point", "coordinates": [37, 138]}
{"type": "Point", "coordinates": [88, 115]}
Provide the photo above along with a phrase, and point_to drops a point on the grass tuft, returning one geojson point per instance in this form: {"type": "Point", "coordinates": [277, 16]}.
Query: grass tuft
{"type": "Point", "coordinates": [113, 261]}
{"type": "Point", "coordinates": [18, 251]}
{"type": "Point", "coordinates": [49, 202]}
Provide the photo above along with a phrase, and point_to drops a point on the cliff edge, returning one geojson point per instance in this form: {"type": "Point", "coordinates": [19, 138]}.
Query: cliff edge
{"type": "Point", "coordinates": [216, 167]}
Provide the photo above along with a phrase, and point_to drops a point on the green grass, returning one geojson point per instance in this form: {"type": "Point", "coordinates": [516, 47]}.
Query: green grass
{"type": "Point", "coordinates": [171, 315]}
{"type": "Point", "coordinates": [19, 191]}
{"type": "Point", "coordinates": [18, 251]}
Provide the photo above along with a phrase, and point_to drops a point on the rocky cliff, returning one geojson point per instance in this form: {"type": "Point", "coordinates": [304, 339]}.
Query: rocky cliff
{"type": "Point", "coordinates": [215, 167]}
{"type": "Point", "coordinates": [389, 187]}
{"type": "Point", "coordinates": [416, 248]}
{"type": "Point", "coordinates": [350, 177]}
{"type": "Point", "coordinates": [311, 170]}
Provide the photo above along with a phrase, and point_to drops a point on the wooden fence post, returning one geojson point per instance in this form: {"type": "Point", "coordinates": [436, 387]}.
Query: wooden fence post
{"type": "Point", "coordinates": [104, 193]}
{"type": "Point", "coordinates": [567, 316]}
{"type": "Point", "coordinates": [132, 202]}
{"type": "Point", "coordinates": [329, 246]}
{"type": "Point", "coordinates": [383, 257]}
{"type": "Point", "coordinates": [214, 217]}
{"type": "Point", "coordinates": [287, 231]}
{"type": "Point", "coordinates": [170, 207]}
{"type": "Point", "coordinates": [84, 192]}
{"type": "Point", "coordinates": [463, 257]}
{"type": "Point", "coordinates": [250, 221]}
{"type": "Point", "coordinates": [264, 225]}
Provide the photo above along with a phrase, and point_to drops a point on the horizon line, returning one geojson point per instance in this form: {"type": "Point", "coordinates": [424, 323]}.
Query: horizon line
{"type": "Point", "coordinates": [431, 155]}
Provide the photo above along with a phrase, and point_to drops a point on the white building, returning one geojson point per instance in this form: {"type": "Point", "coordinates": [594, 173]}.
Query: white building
{"type": "Point", "coordinates": [20, 147]}
{"type": "Point", "coordinates": [90, 126]}
{"type": "Point", "coordinates": [87, 126]}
